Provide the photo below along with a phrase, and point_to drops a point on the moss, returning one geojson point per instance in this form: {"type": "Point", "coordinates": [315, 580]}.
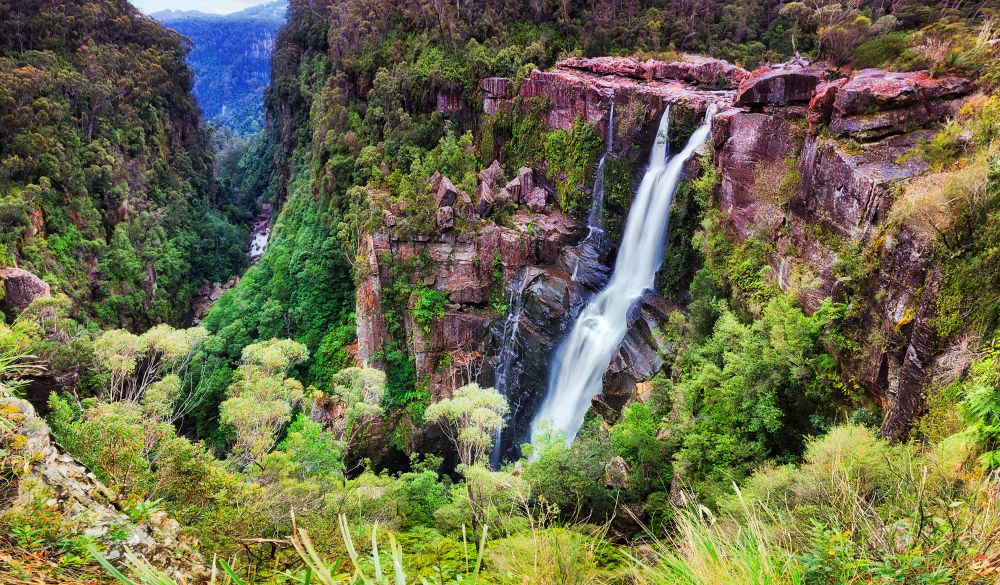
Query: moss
{"type": "Point", "coordinates": [570, 159]}
{"type": "Point", "coordinates": [618, 184]}
{"type": "Point", "coordinates": [681, 259]}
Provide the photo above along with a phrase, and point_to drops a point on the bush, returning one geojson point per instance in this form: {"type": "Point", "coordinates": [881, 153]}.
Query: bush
{"type": "Point", "coordinates": [877, 51]}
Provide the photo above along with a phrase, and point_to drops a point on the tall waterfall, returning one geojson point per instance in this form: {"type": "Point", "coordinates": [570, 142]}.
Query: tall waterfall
{"type": "Point", "coordinates": [578, 368]}
{"type": "Point", "coordinates": [507, 354]}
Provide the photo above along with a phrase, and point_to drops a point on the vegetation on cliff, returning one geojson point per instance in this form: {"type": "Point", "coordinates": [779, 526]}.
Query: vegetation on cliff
{"type": "Point", "coordinates": [752, 459]}
{"type": "Point", "coordinates": [106, 184]}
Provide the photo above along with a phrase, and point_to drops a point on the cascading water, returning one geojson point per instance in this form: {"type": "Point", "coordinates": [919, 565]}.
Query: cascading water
{"type": "Point", "coordinates": [578, 368]}
{"type": "Point", "coordinates": [507, 354]}
{"type": "Point", "coordinates": [595, 221]}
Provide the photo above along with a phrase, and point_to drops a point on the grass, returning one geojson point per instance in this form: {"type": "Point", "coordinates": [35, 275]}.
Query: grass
{"type": "Point", "coordinates": [704, 551]}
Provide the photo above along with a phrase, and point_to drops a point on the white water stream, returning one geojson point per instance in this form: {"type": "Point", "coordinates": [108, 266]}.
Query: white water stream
{"type": "Point", "coordinates": [508, 353]}
{"type": "Point", "coordinates": [578, 367]}
{"type": "Point", "coordinates": [595, 221]}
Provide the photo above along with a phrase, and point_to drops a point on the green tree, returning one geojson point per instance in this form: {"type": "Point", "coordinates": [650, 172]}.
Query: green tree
{"type": "Point", "coordinates": [261, 398]}
{"type": "Point", "coordinates": [470, 419]}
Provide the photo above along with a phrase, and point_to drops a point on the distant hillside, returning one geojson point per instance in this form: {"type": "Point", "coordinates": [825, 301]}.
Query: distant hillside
{"type": "Point", "coordinates": [231, 60]}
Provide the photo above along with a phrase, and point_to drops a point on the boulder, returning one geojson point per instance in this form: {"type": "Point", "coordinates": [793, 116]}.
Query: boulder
{"type": "Point", "coordinates": [641, 353]}
{"type": "Point", "coordinates": [780, 85]}
{"type": "Point", "coordinates": [536, 199]}
{"type": "Point", "coordinates": [619, 66]}
{"type": "Point", "coordinates": [445, 218]}
{"type": "Point", "coordinates": [447, 193]}
{"type": "Point", "coordinates": [876, 103]}
{"type": "Point", "coordinates": [504, 196]}
{"type": "Point", "coordinates": [492, 175]}
{"type": "Point", "coordinates": [20, 288]}
{"type": "Point", "coordinates": [513, 190]}
{"type": "Point", "coordinates": [700, 71]}
{"type": "Point", "coordinates": [526, 180]}
{"type": "Point", "coordinates": [484, 200]}
{"type": "Point", "coordinates": [821, 103]}
{"type": "Point", "coordinates": [616, 473]}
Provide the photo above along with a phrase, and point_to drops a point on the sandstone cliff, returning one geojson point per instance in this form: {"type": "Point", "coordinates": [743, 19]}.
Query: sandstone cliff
{"type": "Point", "coordinates": [810, 161]}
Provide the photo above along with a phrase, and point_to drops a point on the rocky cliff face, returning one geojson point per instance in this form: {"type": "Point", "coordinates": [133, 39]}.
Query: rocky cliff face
{"type": "Point", "coordinates": [814, 165]}
{"type": "Point", "coordinates": [585, 88]}
{"type": "Point", "coordinates": [81, 499]}
{"type": "Point", "coordinates": [809, 161]}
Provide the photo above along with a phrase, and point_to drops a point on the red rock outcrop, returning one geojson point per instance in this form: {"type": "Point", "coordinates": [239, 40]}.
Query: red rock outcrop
{"type": "Point", "coordinates": [703, 72]}
{"type": "Point", "coordinates": [876, 103]}
{"type": "Point", "coordinates": [495, 91]}
{"type": "Point", "coordinates": [20, 288]}
{"type": "Point", "coordinates": [821, 104]}
{"type": "Point", "coordinates": [780, 85]}
{"type": "Point", "coordinates": [585, 88]}
{"type": "Point", "coordinates": [813, 197]}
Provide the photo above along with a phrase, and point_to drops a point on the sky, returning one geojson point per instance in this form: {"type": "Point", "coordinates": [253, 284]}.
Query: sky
{"type": "Point", "coordinates": [216, 6]}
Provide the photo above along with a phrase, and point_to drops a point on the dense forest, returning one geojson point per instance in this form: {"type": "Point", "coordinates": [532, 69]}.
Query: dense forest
{"type": "Point", "coordinates": [230, 57]}
{"type": "Point", "coordinates": [823, 404]}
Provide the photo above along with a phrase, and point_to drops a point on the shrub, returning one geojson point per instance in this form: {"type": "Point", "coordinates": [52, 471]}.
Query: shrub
{"type": "Point", "coordinates": [877, 51]}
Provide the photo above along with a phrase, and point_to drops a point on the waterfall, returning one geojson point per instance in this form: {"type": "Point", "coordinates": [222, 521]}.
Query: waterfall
{"type": "Point", "coordinates": [578, 368]}
{"type": "Point", "coordinates": [595, 221]}
{"type": "Point", "coordinates": [507, 354]}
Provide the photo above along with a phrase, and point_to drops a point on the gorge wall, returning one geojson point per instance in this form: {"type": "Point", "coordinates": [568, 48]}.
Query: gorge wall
{"type": "Point", "coordinates": [810, 162]}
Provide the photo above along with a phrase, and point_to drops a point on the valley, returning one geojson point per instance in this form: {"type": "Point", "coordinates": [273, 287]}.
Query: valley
{"type": "Point", "coordinates": [527, 293]}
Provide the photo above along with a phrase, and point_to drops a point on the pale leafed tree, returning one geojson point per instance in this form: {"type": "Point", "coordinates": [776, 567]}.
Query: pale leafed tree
{"type": "Point", "coordinates": [471, 418]}
{"type": "Point", "coordinates": [359, 391]}
{"type": "Point", "coordinates": [133, 363]}
{"type": "Point", "coordinates": [262, 397]}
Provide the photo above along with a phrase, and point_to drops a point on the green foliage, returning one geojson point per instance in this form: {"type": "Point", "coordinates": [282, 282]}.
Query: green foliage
{"type": "Point", "coordinates": [634, 438]}
{"type": "Point", "coordinates": [315, 452]}
{"type": "Point", "coordinates": [470, 419]}
{"type": "Point", "coordinates": [752, 392]}
{"type": "Point", "coordinates": [571, 476]}
{"type": "Point", "coordinates": [981, 406]}
{"type": "Point", "coordinates": [106, 190]}
{"type": "Point", "coordinates": [970, 260]}
{"type": "Point", "coordinates": [569, 160]}
{"type": "Point", "coordinates": [877, 51]}
{"type": "Point", "coordinates": [428, 306]}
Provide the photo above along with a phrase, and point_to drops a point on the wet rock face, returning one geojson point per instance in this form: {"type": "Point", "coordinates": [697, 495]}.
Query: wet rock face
{"type": "Point", "coordinates": [464, 258]}
{"type": "Point", "coordinates": [640, 355]}
{"type": "Point", "coordinates": [20, 288]}
{"type": "Point", "coordinates": [81, 497]}
{"type": "Point", "coordinates": [548, 301]}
